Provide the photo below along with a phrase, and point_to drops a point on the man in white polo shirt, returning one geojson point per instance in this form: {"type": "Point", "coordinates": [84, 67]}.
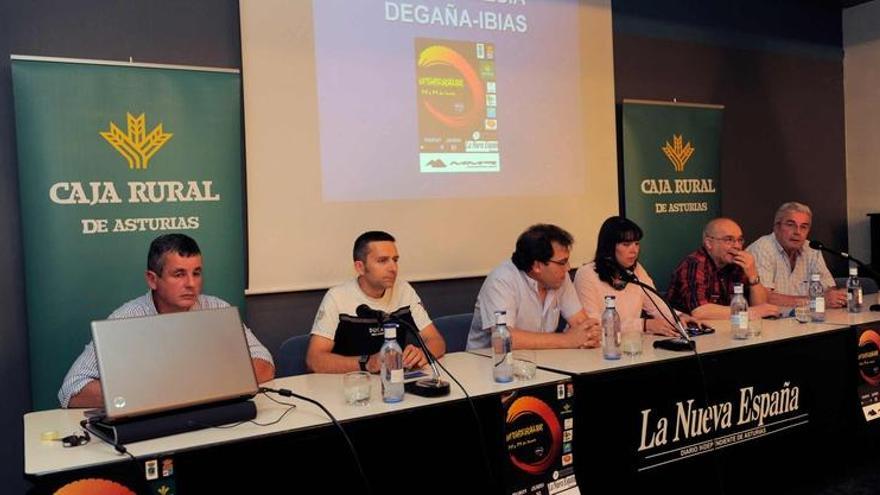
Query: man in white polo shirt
{"type": "Point", "coordinates": [342, 340]}
{"type": "Point", "coordinates": [534, 289]}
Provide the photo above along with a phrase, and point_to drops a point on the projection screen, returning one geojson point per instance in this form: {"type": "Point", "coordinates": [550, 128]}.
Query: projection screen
{"type": "Point", "coordinates": [453, 125]}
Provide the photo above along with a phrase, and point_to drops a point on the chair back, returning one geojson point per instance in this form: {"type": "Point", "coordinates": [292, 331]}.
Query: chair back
{"type": "Point", "coordinates": [292, 356]}
{"type": "Point", "coordinates": [454, 329]}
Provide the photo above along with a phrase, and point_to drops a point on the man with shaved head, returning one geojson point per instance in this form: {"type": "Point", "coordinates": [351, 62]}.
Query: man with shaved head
{"type": "Point", "coordinates": [702, 284]}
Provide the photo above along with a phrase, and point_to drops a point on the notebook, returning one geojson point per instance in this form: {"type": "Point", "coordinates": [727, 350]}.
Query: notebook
{"type": "Point", "coordinates": [172, 361]}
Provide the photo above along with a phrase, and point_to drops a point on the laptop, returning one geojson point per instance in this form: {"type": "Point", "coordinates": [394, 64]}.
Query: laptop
{"type": "Point", "coordinates": [172, 361]}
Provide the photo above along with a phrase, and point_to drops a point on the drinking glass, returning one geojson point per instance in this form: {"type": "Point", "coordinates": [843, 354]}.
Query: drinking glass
{"type": "Point", "coordinates": [356, 388]}
{"type": "Point", "coordinates": [524, 367]}
{"type": "Point", "coordinates": [631, 334]}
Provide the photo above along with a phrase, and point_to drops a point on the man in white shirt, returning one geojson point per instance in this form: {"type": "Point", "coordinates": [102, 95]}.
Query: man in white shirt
{"type": "Point", "coordinates": [785, 260]}
{"type": "Point", "coordinates": [174, 278]}
{"type": "Point", "coordinates": [534, 289]}
{"type": "Point", "coordinates": [342, 340]}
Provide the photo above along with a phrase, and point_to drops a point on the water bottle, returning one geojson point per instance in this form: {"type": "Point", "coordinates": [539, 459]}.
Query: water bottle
{"type": "Point", "coordinates": [854, 291]}
{"type": "Point", "coordinates": [391, 361]}
{"type": "Point", "coordinates": [817, 298]}
{"type": "Point", "coordinates": [502, 349]}
{"type": "Point", "coordinates": [610, 329]}
{"type": "Point", "coordinates": [739, 314]}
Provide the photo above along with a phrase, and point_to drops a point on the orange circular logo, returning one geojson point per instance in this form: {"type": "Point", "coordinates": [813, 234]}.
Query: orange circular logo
{"type": "Point", "coordinates": [94, 487]}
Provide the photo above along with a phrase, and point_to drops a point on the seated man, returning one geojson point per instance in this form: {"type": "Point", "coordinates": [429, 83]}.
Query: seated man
{"type": "Point", "coordinates": [702, 284]}
{"type": "Point", "coordinates": [785, 260]}
{"type": "Point", "coordinates": [344, 341]}
{"type": "Point", "coordinates": [174, 276]}
{"type": "Point", "coordinates": [534, 288]}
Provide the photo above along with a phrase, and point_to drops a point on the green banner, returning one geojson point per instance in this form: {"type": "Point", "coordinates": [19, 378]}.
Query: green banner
{"type": "Point", "coordinates": [671, 171]}
{"type": "Point", "coordinates": [111, 156]}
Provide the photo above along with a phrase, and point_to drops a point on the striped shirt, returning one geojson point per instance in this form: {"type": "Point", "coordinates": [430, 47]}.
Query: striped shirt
{"type": "Point", "coordinates": [85, 368]}
{"type": "Point", "coordinates": [774, 267]}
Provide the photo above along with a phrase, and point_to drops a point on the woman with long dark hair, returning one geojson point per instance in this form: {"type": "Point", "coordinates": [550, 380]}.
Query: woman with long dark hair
{"type": "Point", "coordinates": [617, 250]}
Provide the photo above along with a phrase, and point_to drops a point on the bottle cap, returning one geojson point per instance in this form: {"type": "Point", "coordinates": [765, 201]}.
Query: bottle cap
{"type": "Point", "coordinates": [737, 288]}
{"type": "Point", "coordinates": [501, 318]}
{"type": "Point", "coordinates": [854, 271]}
{"type": "Point", "coordinates": [816, 277]}
{"type": "Point", "coordinates": [610, 301]}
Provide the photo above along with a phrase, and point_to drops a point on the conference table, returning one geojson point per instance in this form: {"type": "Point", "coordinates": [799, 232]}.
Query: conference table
{"type": "Point", "coordinates": [776, 412]}
{"type": "Point", "coordinates": [420, 444]}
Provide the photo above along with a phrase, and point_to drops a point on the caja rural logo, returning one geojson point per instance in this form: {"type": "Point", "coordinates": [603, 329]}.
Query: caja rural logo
{"type": "Point", "coordinates": [678, 152]}
{"type": "Point", "coordinates": [135, 145]}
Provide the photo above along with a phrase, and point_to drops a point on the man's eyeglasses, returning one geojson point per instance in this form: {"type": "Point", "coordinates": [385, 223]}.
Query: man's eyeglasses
{"type": "Point", "coordinates": [789, 224]}
{"type": "Point", "coordinates": [729, 239]}
{"type": "Point", "coordinates": [563, 263]}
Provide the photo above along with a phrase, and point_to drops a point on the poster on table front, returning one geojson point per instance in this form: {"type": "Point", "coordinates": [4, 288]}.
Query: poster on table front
{"type": "Point", "coordinates": [538, 440]}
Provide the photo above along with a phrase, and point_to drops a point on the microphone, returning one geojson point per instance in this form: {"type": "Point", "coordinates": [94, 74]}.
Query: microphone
{"type": "Point", "coordinates": [426, 387]}
{"type": "Point", "coordinates": [364, 311]}
{"type": "Point", "coordinates": [682, 343]}
{"type": "Point", "coordinates": [609, 266]}
{"type": "Point", "coordinates": [842, 254]}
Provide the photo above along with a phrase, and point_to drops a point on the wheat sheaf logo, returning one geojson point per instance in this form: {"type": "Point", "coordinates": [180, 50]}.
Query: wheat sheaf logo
{"type": "Point", "coordinates": [135, 145]}
{"type": "Point", "coordinates": [677, 152]}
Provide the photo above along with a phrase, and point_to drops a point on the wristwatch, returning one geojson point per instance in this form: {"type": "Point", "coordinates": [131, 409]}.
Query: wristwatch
{"type": "Point", "coordinates": [362, 361]}
{"type": "Point", "coordinates": [756, 281]}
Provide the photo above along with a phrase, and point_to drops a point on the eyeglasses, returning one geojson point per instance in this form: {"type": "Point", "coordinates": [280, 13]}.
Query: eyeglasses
{"type": "Point", "coordinates": [564, 262]}
{"type": "Point", "coordinates": [729, 239]}
{"type": "Point", "coordinates": [789, 224]}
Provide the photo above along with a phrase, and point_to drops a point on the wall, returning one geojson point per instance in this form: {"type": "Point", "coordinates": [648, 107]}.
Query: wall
{"type": "Point", "coordinates": [776, 66]}
{"type": "Point", "coordinates": [861, 78]}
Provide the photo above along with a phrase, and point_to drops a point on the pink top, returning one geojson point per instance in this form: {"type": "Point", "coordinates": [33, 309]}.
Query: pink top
{"type": "Point", "coordinates": [629, 302]}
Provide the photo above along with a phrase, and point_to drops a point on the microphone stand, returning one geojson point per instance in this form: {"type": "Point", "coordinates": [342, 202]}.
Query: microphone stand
{"type": "Point", "coordinates": [682, 343]}
{"type": "Point", "coordinates": [841, 254]}
{"type": "Point", "coordinates": [426, 387]}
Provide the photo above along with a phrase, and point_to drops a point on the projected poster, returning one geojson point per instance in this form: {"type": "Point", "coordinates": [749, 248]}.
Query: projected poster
{"type": "Point", "coordinates": [439, 99]}
{"type": "Point", "coordinates": [458, 107]}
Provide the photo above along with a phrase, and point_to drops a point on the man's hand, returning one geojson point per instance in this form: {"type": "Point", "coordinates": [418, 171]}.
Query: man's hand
{"type": "Point", "coordinates": [662, 327]}
{"type": "Point", "coordinates": [414, 357]}
{"type": "Point", "coordinates": [835, 298]}
{"type": "Point", "coordinates": [586, 334]}
{"type": "Point", "coordinates": [745, 259]}
{"type": "Point", "coordinates": [762, 310]}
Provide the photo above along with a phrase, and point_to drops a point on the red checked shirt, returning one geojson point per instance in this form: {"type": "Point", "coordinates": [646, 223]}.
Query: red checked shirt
{"type": "Point", "coordinates": [697, 281]}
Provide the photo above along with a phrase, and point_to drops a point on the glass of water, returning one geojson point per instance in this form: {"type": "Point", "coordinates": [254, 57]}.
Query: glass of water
{"type": "Point", "coordinates": [802, 311]}
{"type": "Point", "coordinates": [524, 367]}
{"type": "Point", "coordinates": [631, 334]}
{"type": "Point", "coordinates": [356, 387]}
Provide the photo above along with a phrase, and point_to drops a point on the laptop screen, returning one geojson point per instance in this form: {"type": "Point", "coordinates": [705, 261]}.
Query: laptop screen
{"type": "Point", "coordinates": [158, 363]}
